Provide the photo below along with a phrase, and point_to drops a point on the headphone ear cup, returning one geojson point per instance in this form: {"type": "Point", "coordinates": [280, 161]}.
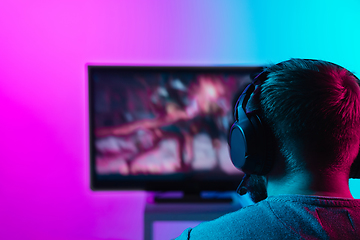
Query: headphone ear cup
{"type": "Point", "coordinates": [250, 147]}
{"type": "Point", "coordinates": [238, 146]}
{"type": "Point", "coordinates": [241, 135]}
{"type": "Point", "coordinates": [251, 141]}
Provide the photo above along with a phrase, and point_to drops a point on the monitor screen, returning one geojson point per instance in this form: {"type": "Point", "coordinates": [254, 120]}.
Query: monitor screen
{"type": "Point", "coordinates": [163, 128]}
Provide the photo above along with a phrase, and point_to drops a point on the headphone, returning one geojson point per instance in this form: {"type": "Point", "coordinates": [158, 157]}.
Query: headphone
{"type": "Point", "coordinates": [253, 146]}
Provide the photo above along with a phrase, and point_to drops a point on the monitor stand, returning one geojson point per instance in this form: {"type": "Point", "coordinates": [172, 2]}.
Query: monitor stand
{"type": "Point", "coordinates": [193, 197]}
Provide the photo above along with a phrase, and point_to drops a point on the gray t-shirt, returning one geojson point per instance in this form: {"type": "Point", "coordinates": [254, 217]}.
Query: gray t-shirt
{"type": "Point", "coordinates": [285, 217]}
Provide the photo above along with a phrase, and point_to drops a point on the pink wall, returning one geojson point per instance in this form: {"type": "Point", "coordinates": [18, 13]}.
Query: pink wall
{"type": "Point", "coordinates": [44, 46]}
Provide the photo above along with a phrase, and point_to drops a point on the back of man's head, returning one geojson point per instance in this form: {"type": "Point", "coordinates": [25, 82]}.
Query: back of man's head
{"type": "Point", "coordinates": [313, 108]}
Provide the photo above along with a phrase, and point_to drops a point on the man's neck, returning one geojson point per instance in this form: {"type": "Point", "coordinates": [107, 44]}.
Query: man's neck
{"type": "Point", "coordinates": [303, 183]}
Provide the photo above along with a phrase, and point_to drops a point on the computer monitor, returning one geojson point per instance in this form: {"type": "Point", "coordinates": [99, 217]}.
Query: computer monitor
{"type": "Point", "coordinates": [163, 128]}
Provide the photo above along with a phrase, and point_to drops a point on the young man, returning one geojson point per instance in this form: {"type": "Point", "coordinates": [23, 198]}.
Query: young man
{"type": "Point", "coordinates": [312, 110]}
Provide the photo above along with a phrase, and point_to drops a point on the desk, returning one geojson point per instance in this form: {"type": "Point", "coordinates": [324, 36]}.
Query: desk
{"type": "Point", "coordinates": [199, 212]}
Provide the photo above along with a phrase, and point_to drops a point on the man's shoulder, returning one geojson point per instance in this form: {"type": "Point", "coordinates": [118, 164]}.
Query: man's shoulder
{"type": "Point", "coordinates": [252, 221]}
{"type": "Point", "coordinates": [282, 217]}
